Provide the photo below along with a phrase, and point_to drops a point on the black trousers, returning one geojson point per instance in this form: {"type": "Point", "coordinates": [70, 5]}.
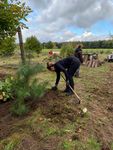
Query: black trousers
{"type": "Point", "coordinates": [71, 71]}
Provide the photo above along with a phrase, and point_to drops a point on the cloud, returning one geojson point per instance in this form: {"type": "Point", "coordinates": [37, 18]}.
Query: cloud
{"type": "Point", "coordinates": [85, 36]}
{"type": "Point", "coordinates": [64, 36]}
{"type": "Point", "coordinates": [40, 4]}
{"type": "Point", "coordinates": [80, 13]}
{"type": "Point", "coordinates": [101, 10]}
{"type": "Point", "coordinates": [53, 19]}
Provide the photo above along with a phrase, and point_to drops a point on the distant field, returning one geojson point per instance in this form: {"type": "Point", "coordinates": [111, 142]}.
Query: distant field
{"type": "Point", "coordinates": [15, 59]}
{"type": "Point", "coordinates": [99, 51]}
{"type": "Point", "coordinates": [45, 51]}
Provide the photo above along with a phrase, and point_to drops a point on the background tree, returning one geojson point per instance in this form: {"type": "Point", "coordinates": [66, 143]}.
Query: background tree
{"type": "Point", "coordinates": [11, 14]}
{"type": "Point", "coordinates": [7, 46]}
{"type": "Point", "coordinates": [49, 45]}
{"type": "Point", "coordinates": [32, 44]}
{"type": "Point", "coordinates": [58, 45]}
{"type": "Point", "coordinates": [91, 44]}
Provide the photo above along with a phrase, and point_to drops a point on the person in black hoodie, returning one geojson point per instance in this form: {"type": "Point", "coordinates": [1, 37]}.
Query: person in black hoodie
{"type": "Point", "coordinates": [78, 54]}
{"type": "Point", "coordinates": [68, 66]}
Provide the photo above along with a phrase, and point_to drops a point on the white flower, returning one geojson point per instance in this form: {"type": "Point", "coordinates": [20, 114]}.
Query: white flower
{"type": "Point", "coordinates": [84, 110]}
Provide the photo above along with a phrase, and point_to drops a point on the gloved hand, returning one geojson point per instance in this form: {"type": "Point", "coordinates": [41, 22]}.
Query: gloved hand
{"type": "Point", "coordinates": [54, 88]}
{"type": "Point", "coordinates": [67, 82]}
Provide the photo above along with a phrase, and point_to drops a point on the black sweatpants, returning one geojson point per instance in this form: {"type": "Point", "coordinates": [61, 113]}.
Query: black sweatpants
{"type": "Point", "coordinates": [71, 71]}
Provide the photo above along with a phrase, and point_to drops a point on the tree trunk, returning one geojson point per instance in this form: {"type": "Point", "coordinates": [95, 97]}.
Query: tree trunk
{"type": "Point", "coordinates": [21, 45]}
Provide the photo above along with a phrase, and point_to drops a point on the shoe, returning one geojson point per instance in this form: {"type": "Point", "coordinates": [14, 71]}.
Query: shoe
{"type": "Point", "coordinates": [54, 88]}
{"type": "Point", "coordinates": [77, 76]}
{"type": "Point", "coordinates": [66, 90]}
{"type": "Point", "coordinates": [69, 93]}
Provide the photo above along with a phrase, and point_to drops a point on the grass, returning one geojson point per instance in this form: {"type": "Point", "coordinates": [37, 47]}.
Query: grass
{"type": "Point", "coordinates": [15, 59]}
{"type": "Point", "coordinates": [11, 142]}
{"type": "Point", "coordinates": [112, 146]}
{"type": "Point", "coordinates": [67, 145]}
{"type": "Point", "coordinates": [98, 51]}
{"type": "Point", "coordinates": [38, 124]}
{"type": "Point", "coordinates": [90, 144]}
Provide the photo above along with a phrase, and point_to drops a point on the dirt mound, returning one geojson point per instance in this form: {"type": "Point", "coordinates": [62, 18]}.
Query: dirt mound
{"type": "Point", "coordinates": [60, 108]}
{"type": "Point", "coordinates": [7, 121]}
{"type": "Point", "coordinates": [3, 76]}
{"type": "Point", "coordinates": [27, 143]}
{"type": "Point", "coordinates": [53, 105]}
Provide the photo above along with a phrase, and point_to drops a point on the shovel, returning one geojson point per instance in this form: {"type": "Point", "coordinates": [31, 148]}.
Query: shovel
{"type": "Point", "coordinates": [78, 98]}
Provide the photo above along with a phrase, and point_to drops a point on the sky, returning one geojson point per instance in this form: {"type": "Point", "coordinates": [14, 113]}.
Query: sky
{"type": "Point", "coordinates": [69, 20]}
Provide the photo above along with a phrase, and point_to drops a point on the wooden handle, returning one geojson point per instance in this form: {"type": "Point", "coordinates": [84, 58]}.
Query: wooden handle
{"type": "Point", "coordinates": [75, 93]}
{"type": "Point", "coordinates": [73, 90]}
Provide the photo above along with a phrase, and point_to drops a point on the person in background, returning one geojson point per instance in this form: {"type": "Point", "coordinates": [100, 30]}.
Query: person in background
{"type": "Point", "coordinates": [50, 53]}
{"type": "Point", "coordinates": [78, 54]}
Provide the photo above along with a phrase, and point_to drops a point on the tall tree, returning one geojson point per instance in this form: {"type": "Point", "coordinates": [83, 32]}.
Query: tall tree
{"type": "Point", "coordinates": [11, 14]}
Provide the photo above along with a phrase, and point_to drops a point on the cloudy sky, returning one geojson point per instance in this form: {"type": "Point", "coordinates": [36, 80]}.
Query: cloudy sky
{"type": "Point", "coordinates": [70, 20]}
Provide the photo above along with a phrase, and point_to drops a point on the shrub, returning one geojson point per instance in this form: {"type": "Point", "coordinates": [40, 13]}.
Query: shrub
{"type": "Point", "coordinates": [101, 51]}
{"type": "Point", "coordinates": [67, 50]}
{"type": "Point", "coordinates": [6, 89]}
{"type": "Point", "coordinates": [33, 45]}
{"type": "Point", "coordinates": [7, 46]}
{"type": "Point", "coordinates": [25, 87]}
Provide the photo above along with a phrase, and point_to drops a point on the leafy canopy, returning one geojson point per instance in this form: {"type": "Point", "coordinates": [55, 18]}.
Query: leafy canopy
{"type": "Point", "coordinates": [7, 46]}
{"type": "Point", "coordinates": [11, 14]}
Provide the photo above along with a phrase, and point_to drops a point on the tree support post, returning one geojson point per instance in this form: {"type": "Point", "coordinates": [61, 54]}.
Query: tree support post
{"type": "Point", "coordinates": [22, 52]}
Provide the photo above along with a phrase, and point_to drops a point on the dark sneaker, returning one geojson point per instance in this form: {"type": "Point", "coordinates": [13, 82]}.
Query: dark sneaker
{"type": "Point", "coordinates": [69, 93]}
{"type": "Point", "coordinates": [66, 90]}
{"type": "Point", "coordinates": [54, 88]}
{"type": "Point", "coordinates": [77, 76]}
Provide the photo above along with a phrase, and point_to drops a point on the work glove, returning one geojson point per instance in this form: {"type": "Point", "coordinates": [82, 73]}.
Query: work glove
{"type": "Point", "coordinates": [54, 88]}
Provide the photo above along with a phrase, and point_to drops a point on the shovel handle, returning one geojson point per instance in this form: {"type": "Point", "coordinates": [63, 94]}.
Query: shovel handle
{"type": "Point", "coordinates": [72, 90]}
{"type": "Point", "coordinates": [75, 93]}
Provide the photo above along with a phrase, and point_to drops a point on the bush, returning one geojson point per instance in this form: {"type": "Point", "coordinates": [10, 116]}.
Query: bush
{"type": "Point", "coordinates": [67, 50]}
{"type": "Point", "coordinates": [6, 89]}
{"type": "Point", "coordinates": [33, 45]}
{"type": "Point", "coordinates": [7, 46]}
{"type": "Point", "coordinates": [24, 87]}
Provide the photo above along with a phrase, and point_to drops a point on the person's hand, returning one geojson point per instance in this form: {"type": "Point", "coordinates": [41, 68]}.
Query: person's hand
{"type": "Point", "coordinates": [54, 88]}
{"type": "Point", "coordinates": [67, 82]}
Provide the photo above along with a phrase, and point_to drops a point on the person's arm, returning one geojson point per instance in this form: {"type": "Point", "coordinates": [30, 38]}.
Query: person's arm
{"type": "Point", "coordinates": [57, 78]}
{"type": "Point", "coordinates": [75, 53]}
{"type": "Point", "coordinates": [63, 70]}
{"type": "Point", "coordinates": [57, 81]}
